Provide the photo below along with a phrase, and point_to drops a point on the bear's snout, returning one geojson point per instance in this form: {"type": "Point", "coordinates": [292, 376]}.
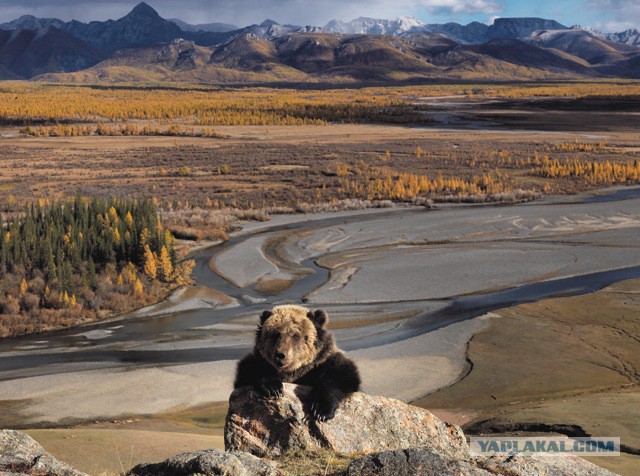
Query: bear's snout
{"type": "Point", "coordinates": [280, 358]}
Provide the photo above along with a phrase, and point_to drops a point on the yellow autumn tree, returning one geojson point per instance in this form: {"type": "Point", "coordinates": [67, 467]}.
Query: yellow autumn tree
{"type": "Point", "coordinates": [150, 268]}
{"type": "Point", "coordinates": [165, 266]}
{"type": "Point", "coordinates": [23, 287]}
{"type": "Point", "coordinates": [130, 272]}
{"type": "Point", "coordinates": [64, 300]}
{"type": "Point", "coordinates": [144, 237]}
{"type": "Point", "coordinates": [138, 289]}
{"type": "Point", "coordinates": [113, 216]}
{"type": "Point", "coordinates": [128, 219]}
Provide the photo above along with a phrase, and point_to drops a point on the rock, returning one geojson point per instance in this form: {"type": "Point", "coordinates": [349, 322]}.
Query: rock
{"type": "Point", "coordinates": [20, 454]}
{"type": "Point", "coordinates": [208, 462]}
{"type": "Point", "coordinates": [426, 461]}
{"type": "Point", "coordinates": [363, 424]}
{"type": "Point", "coordinates": [564, 466]}
{"type": "Point", "coordinates": [401, 439]}
{"type": "Point", "coordinates": [411, 462]}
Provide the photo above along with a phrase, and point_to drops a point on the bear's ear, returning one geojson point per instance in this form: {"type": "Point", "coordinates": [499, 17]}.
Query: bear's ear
{"type": "Point", "coordinates": [319, 318]}
{"type": "Point", "coordinates": [265, 315]}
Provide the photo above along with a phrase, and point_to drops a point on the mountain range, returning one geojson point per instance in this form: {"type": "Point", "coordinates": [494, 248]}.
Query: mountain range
{"type": "Point", "coordinates": [143, 46]}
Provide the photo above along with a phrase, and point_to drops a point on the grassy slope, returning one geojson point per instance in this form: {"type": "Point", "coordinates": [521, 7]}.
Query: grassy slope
{"type": "Point", "coordinates": [566, 361]}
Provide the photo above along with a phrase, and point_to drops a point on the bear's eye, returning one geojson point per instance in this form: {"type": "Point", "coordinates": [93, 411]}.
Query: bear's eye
{"type": "Point", "coordinates": [296, 337]}
{"type": "Point", "coordinates": [275, 335]}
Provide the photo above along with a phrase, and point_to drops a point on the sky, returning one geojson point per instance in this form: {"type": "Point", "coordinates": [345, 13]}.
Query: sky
{"type": "Point", "coordinates": [605, 15]}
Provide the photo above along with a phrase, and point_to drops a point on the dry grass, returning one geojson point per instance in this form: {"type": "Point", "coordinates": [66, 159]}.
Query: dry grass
{"type": "Point", "coordinates": [201, 183]}
{"type": "Point", "coordinates": [314, 463]}
{"type": "Point", "coordinates": [207, 224]}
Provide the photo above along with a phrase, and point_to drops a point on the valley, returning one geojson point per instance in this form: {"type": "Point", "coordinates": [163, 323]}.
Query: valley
{"type": "Point", "coordinates": [413, 314]}
{"type": "Point", "coordinates": [462, 200]}
{"type": "Point", "coordinates": [459, 191]}
{"type": "Point", "coordinates": [414, 215]}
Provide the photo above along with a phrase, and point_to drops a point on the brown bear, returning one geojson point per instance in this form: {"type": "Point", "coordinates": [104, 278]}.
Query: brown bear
{"type": "Point", "coordinates": [294, 345]}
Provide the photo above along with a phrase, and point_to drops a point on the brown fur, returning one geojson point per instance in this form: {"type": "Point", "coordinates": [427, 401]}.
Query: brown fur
{"type": "Point", "coordinates": [286, 322]}
{"type": "Point", "coordinates": [294, 345]}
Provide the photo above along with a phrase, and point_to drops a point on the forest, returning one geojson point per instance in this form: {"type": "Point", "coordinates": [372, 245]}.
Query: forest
{"type": "Point", "coordinates": [75, 261]}
{"type": "Point", "coordinates": [29, 104]}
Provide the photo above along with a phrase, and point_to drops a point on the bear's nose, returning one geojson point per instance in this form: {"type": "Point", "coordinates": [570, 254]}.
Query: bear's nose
{"type": "Point", "coordinates": [280, 355]}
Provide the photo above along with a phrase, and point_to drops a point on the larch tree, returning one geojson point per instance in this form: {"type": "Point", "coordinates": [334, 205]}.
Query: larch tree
{"type": "Point", "coordinates": [166, 267]}
{"type": "Point", "coordinates": [150, 268]}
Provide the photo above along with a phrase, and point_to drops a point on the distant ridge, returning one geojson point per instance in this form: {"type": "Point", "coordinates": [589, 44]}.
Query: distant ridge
{"type": "Point", "coordinates": [140, 27]}
{"type": "Point", "coordinates": [473, 33]}
{"type": "Point", "coordinates": [143, 46]}
{"type": "Point", "coordinates": [208, 27]}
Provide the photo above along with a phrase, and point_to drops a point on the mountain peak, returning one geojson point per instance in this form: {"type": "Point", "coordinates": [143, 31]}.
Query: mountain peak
{"type": "Point", "coordinates": [143, 9]}
{"type": "Point", "coordinates": [269, 22]}
{"type": "Point", "coordinates": [505, 28]}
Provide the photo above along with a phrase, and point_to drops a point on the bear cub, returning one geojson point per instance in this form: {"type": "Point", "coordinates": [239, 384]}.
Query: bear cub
{"type": "Point", "coordinates": [293, 345]}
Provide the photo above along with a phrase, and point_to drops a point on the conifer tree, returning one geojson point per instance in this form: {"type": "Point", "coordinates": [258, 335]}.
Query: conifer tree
{"type": "Point", "coordinates": [93, 280]}
{"type": "Point", "coordinates": [150, 268]}
{"type": "Point", "coordinates": [138, 289]}
{"type": "Point", "coordinates": [165, 266]}
{"type": "Point", "coordinates": [23, 287]}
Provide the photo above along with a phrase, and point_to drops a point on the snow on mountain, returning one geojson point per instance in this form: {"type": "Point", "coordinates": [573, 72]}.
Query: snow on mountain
{"type": "Point", "coordinates": [473, 33]}
{"type": "Point", "coordinates": [29, 22]}
{"type": "Point", "coordinates": [628, 37]}
{"type": "Point", "coordinates": [371, 26]}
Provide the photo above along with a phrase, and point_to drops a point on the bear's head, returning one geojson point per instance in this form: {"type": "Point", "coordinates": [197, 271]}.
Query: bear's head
{"type": "Point", "coordinates": [289, 337]}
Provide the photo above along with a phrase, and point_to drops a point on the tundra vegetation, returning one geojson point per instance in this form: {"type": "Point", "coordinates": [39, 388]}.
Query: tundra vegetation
{"type": "Point", "coordinates": [205, 158]}
{"type": "Point", "coordinates": [177, 105]}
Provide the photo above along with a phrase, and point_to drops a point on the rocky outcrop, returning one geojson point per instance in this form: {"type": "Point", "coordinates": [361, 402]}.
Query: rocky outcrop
{"type": "Point", "coordinates": [426, 461]}
{"type": "Point", "coordinates": [410, 462]}
{"type": "Point", "coordinates": [20, 454]}
{"type": "Point", "coordinates": [398, 440]}
{"type": "Point", "coordinates": [209, 462]}
{"type": "Point", "coordinates": [363, 424]}
{"type": "Point", "coordinates": [401, 439]}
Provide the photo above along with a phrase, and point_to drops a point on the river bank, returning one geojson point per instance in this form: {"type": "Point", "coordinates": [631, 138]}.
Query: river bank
{"type": "Point", "coordinates": [405, 288]}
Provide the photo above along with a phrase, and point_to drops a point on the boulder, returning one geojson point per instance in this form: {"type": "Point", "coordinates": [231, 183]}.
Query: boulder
{"type": "Point", "coordinates": [21, 454]}
{"type": "Point", "coordinates": [400, 439]}
{"type": "Point", "coordinates": [427, 461]}
{"type": "Point", "coordinates": [411, 462]}
{"type": "Point", "coordinates": [208, 463]}
{"type": "Point", "coordinates": [363, 424]}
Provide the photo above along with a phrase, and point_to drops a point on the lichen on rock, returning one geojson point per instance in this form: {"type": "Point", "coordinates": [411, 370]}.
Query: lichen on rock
{"type": "Point", "coordinates": [397, 439]}
{"type": "Point", "coordinates": [363, 424]}
{"type": "Point", "coordinates": [20, 454]}
{"type": "Point", "coordinates": [209, 462]}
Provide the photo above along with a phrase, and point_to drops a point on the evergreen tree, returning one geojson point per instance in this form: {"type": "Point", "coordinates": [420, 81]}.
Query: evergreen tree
{"type": "Point", "coordinates": [93, 280]}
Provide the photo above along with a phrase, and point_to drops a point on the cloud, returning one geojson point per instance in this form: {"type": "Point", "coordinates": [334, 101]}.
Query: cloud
{"type": "Point", "coordinates": [467, 7]}
{"type": "Point", "coordinates": [491, 20]}
{"type": "Point", "coordinates": [622, 14]}
{"type": "Point", "coordinates": [243, 12]}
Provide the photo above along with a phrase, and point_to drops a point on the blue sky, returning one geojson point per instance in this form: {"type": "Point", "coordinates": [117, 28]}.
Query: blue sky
{"type": "Point", "coordinates": [607, 15]}
{"type": "Point", "coordinates": [568, 12]}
